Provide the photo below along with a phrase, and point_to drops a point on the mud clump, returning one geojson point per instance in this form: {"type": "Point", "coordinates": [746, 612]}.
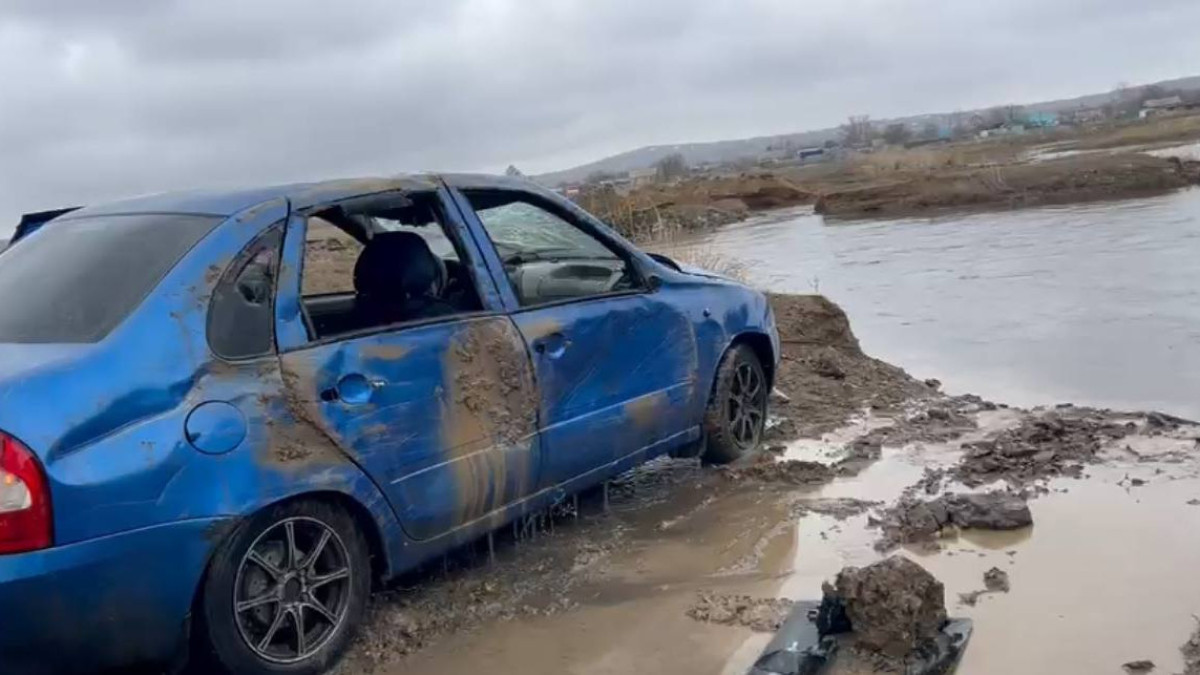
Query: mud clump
{"type": "Point", "coordinates": [824, 375]}
{"type": "Point", "coordinates": [839, 508]}
{"type": "Point", "coordinates": [894, 606]}
{"type": "Point", "coordinates": [1051, 444]}
{"type": "Point", "coordinates": [996, 580]}
{"type": "Point", "coordinates": [764, 615]}
{"type": "Point", "coordinates": [912, 520]}
{"type": "Point", "coordinates": [789, 472]}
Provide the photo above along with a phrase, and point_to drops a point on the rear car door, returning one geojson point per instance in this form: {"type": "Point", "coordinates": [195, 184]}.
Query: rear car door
{"type": "Point", "coordinates": [615, 361]}
{"type": "Point", "coordinates": [407, 364]}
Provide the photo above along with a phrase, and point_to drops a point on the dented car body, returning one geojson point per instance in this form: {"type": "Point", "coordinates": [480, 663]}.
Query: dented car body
{"type": "Point", "coordinates": [152, 434]}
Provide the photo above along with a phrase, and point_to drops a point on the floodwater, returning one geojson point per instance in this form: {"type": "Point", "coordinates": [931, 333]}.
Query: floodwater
{"type": "Point", "coordinates": [1093, 304]}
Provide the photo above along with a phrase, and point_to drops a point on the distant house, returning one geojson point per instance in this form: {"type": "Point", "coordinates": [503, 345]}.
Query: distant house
{"type": "Point", "coordinates": [643, 176]}
{"type": "Point", "coordinates": [1041, 120]}
{"type": "Point", "coordinates": [1085, 116]}
{"type": "Point", "coordinates": [1158, 106]}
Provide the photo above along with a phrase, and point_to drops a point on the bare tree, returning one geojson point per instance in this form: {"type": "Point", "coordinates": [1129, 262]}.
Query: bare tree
{"type": "Point", "coordinates": [897, 133]}
{"type": "Point", "coordinates": [857, 131]}
{"type": "Point", "coordinates": [670, 167]}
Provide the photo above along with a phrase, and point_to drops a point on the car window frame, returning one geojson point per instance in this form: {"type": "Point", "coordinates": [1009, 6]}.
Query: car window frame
{"type": "Point", "coordinates": [539, 201]}
{"type": "Point", "coordinates": [364, 202]}
{"type": "Point", "coordinates": [241, 260]}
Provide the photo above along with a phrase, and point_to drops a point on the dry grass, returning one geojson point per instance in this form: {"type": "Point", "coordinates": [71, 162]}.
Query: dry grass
{"type": "Point", "coordinates": [1181, 128]}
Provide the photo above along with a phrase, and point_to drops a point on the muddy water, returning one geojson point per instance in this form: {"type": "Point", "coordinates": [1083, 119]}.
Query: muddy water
{"type": "Point", "coordinates": [1105, 576]}
{"type": "Point", "coordinates": [1096, 304]}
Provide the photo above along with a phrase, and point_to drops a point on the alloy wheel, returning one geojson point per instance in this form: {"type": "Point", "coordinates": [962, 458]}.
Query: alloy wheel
{"type": "Point", "coordinates": [746, 406]}
{"type": "Point", "coordinates": [292, 590]}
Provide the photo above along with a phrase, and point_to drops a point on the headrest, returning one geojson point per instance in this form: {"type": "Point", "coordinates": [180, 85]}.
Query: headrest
{"type": "Point", "coordinates": [397, 265]}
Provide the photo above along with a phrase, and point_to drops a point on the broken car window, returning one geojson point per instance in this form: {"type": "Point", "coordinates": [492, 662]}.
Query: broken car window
{"type": "Point", "coordinates": [401, 266]}
{"type": "Point", "coordinates": [241, 320]}
{"type": "Point", "coordinates": [546, 257]}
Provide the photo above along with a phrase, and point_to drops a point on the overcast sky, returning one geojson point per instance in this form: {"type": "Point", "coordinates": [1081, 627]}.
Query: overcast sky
{"type": "Point", "coordinates": [109, 98]}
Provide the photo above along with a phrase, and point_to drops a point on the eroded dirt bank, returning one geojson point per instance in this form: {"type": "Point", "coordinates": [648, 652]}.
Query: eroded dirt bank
{"type": "Point", "coordinates": [1027, 171]}
{"type": "Point", "coordinates": [692, 567]}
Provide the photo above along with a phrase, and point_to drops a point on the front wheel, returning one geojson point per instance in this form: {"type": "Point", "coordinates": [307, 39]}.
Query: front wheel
{"type": "Point", "coordinates": [737, 411]}
{"type": "Point", "coordinates": [286, 592]}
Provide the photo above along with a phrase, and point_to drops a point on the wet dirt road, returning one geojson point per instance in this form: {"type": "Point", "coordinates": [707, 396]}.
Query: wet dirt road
{"type": "Point", "coordinates": [1105, 576]}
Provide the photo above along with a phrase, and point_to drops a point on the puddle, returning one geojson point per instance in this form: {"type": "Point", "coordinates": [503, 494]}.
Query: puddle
{"type": "Point", "coordinates": [1188, 151]}
{"type": "Point", "coordinates": [1106, 575]}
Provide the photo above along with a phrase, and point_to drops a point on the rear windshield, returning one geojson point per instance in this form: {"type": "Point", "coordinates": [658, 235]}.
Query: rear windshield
{"type": "Point", "coordinates": [74, 280]}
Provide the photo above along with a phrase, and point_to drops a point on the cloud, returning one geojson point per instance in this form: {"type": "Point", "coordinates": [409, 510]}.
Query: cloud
{"type": "Point", "coordinates": [103, 100]}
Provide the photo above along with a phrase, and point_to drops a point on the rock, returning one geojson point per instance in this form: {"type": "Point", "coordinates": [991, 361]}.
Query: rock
{"type": "Point", "coordinates": [826, 365]}
{"type": "Point", "coordinates": [971, 598]}
{"type": "Point", "coordinates": [933, 383]}
{"type": "Point", "coordinates": [1143, 666]}
{"type": "Point", "coordinates": [996, 580]}
{"type": "Point", "coordinates": [989, 511]}
{"type": "Point", "coordinates": [912, 520]}
{"type": "Point", "coordinates": [894, 606]}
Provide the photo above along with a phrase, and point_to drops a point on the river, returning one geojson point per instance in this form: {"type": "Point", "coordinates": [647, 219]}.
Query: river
{"type": "Point", "coordinates": [1093, 304]}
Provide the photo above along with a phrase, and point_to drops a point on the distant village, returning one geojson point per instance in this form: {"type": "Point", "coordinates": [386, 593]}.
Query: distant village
{"type": "Point", "coordinates": [860, 134]}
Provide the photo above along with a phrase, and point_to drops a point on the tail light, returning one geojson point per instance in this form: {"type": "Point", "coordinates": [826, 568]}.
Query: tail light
{"type": "Point", "coordinates": [25, 523]}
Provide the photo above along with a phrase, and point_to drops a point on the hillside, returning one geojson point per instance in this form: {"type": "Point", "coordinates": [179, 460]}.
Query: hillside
{"type": "Point", "coordinates": [749, 148]}
{"type": "Point", "coordinates": [693, 153]}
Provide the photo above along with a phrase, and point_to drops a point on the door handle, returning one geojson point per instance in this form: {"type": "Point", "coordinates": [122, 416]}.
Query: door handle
{"type": "Point", "coordinates": [552, 345]}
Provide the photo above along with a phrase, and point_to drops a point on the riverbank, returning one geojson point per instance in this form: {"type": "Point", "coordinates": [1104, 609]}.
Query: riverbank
{"type": "Point", "coordinates": [854, 441]}
{"type": "Point", "coordinates": [1055, 168]}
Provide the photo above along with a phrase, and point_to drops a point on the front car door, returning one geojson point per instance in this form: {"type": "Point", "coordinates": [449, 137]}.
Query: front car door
{"type": "Point", "coordinates": [616, 362]}
{"type": "Point", "coordinates": [432, 394]}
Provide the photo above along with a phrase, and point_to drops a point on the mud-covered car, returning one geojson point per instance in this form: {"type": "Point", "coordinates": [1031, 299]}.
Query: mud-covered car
{"type": "Point", "coordinates": [226, 416]}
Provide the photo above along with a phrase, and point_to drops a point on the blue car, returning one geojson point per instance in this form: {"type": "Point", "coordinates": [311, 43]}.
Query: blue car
{"type": "Point", "coordinates": [226, 416]}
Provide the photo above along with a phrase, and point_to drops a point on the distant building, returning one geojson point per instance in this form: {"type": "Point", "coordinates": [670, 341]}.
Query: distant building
{"type": "Point", "coordinates": [643, 176]}
{"type": "Point", "coordinates": [1041, 120]}
{"type": "Point", "coordinates": [1158, 106]}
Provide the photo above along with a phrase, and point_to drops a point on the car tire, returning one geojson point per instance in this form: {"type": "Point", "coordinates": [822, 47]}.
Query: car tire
{"type": "Point", "coordinates": [737, 410]}
{"type": "Point", "coordinates": [259, 590]}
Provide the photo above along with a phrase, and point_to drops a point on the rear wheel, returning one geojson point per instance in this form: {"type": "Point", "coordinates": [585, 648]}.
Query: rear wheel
{"type": "Point", "coordinates": [286, 592]}
{"type": "Point", "coordinates": [737, 411]}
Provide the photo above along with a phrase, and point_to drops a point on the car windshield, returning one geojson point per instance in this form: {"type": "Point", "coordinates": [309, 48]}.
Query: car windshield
{"type": "Point", "coordinates": [525, 232]}
{"type": "Point", "coordinates": [75, 280]}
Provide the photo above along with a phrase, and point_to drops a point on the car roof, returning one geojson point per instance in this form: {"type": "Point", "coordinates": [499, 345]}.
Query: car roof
{"type": "Point", "coordinates": [227, 202]}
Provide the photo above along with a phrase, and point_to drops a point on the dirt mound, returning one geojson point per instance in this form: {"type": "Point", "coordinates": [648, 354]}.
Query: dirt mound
{"type": "Point", "coordinates": [764, 615]}
{"type": "Point", "coordinates": [813, 320]}
{"type": "Point", "coordinates": [1050, 444]}
{"type": "Point", "coordinates": [824, 375]}
{"type": "Point", "coordinates": [1018, 185]}
{"type": "Point", "coordinates": [912, 520]}
{"type": "Point", "coordinates": [893, 606]}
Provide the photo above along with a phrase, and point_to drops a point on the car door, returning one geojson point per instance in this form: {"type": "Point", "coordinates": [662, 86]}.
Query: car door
{"type": "Point", "coordinates": [440, 410]}
{"type": "Point", "coordinates": [616, 362]}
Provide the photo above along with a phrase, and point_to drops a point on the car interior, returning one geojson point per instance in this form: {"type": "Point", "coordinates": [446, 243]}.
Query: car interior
{"type": "Point", "coordinates": [546, 257]}
{"type": "Point", "coordinates": [366, 269]}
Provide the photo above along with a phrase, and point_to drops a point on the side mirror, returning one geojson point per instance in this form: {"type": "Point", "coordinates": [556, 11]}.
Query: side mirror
{"type": "Point", "coordinates": [654, 282]}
